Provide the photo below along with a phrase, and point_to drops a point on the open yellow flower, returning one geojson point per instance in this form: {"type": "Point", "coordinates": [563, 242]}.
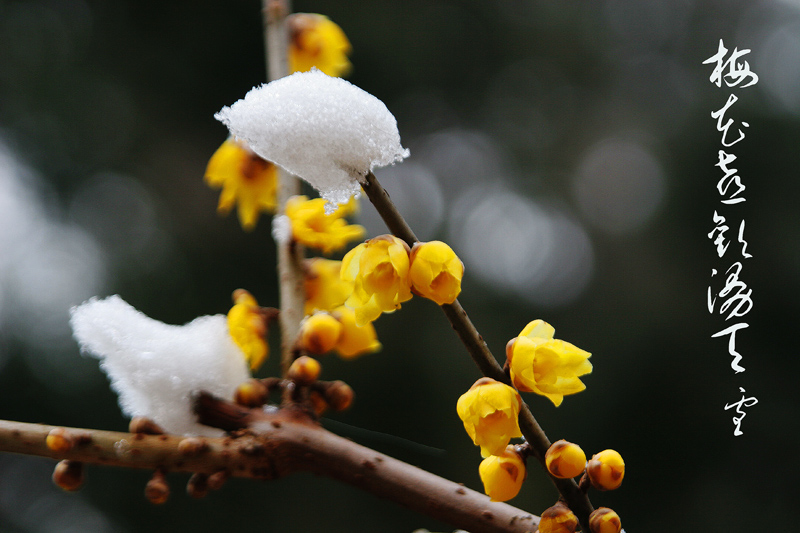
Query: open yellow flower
{"type": "Point", "coordinates": [502, 475]}
{"type": "Point", "coordinates": [325, 289]}
{"type": "Point", "coordinates": [490, 410]}
{"type": "Point", "coordinates": [436, 272]}
{"type": "Point", "coordinates": [316, 41]}
{"type": "Point", "coordinates": [247, 327]}
{"type": "Point", "coordinates": [378, 269]}
{"type": "Point", "coordinates": [245, 178]}
{"type": "Point", "coordinates": [311, 226]}
{"type": "Point", "coordinates": [544, 365]}
{"type": "Point", "coordinates": [355, 340]}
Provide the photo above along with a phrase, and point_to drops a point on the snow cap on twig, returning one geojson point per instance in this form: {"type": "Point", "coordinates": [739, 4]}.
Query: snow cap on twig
{"type": "Point", "coordinates": [322, 129]}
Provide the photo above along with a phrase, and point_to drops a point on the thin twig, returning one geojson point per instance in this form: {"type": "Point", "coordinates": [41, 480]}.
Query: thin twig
{"type": "Point", "coordinates": [290, 254]}
{"type": "Point", "coordinates": [480, 353]}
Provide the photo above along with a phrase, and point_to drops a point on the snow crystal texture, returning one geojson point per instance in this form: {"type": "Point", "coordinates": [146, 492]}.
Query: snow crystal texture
{"type": "Point", "coordinates": [322, 129]}
{"type": "Point", "coordinates": [155, 367]}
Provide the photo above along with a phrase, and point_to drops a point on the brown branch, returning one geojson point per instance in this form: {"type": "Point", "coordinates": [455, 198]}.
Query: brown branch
{"type": "Point", "coordinates": [577, 500]}
{"type": "Point", "coordinates": [290, 254]}
{"type": "Point", "coordinates": [275, 445]}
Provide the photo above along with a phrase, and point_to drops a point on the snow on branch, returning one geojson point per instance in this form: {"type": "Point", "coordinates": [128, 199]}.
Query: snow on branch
{"type": "Point", "coordinates": [322, 129]}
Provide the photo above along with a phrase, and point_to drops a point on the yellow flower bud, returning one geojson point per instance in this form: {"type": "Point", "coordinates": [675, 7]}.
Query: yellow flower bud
{"type": "Point", "coordinates": [251, 393]}
{"type": "Point", "coordinates": [68, 475]}
{"type": "Point", "coordinates": [604, 520]}
{"type": "Point", "coordinates": [606, 470]}
{"type": "Point", "coordinates": [304, 370]}
{"type": "Point", "coordinates": [325, 289]}
{"type": "Point", "coordinates": [502, 475]}
{"type": "Point", "coordinates": [316, 41]}
{"type": "Point", "coordinates": [565, 460]}
{"type": "Point", "coordinates": [378, 269]}
{"type": "Point", "coordinates": [244, 178]}
{"type": "Point", "coordinates": [319, 333]}
{"type": "Point", "coordinates": [436, 272]}
{"type": "Point", "coordinates": [248, 328]}
{"type": "Point", "coordinates": [544, 365]}
{"type": "Point", "coordinates": [312, 226]}
{"type": "Point", "coordinates": [558, 519]}
{"type": "Point", "coordinates": [355, 340]}
{"type": "Point", "coordinates": [490, 411]}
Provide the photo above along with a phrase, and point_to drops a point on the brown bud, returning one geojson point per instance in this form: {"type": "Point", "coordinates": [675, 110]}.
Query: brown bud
{"type": "Point", "coordinates": [510, 349]}
{"type": "Point", "coordinates": [157, 490]}
{"type": "Point", "coordinates": [198, 485]}
{"type": "Point", "coordinates": [192, 446]}
{"type": "Point", "coordinates": [606, 470]}
{"type": "Point", "coordinates": [59, 440]}
{"type": "Point", "coordinates": [251, 393]}
{"type": "Point", "coordinates": [318, 402]}
{"type": "Point", "coordinates": [339, 395]}
{"type": "Point", "coordinates": [68, 475]}
{"type": "Point", "coordinates": [558, 519]}
{"type": "Point", "coordinates": [604, 520]}
{"type": "Point", "coordinates": [565, 460]}
{"type": "Point", "coordinates": [141, 424]}
{"type": "Point", "coordinates": [304, 370]}
{"type": "Point", "coordinates": [217, 479]}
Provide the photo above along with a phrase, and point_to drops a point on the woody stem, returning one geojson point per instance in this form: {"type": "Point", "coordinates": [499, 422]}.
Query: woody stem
{"type": "Point", "coordinates": [290, 254]}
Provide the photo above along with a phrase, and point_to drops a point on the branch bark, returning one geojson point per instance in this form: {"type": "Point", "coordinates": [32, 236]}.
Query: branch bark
{"type": "Point", "coordinates": [576, 499]}
{"type": "Point", "coordinates": [273, 445]}
{"type": "Point", "coordinates": [290, 254]}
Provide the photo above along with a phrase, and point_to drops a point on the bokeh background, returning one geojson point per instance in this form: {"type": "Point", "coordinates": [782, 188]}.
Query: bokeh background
{"type": "Point", "coordinates": [564, 149]}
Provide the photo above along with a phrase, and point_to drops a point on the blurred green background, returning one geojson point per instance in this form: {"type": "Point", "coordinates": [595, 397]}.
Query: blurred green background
{"type": "Point", "coordinates": [564, 149]}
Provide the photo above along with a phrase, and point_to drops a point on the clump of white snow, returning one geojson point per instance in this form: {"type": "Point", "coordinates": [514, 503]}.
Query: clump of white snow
{"type": "Point", "coordinates": [322, 129]}
{"type": "Point", "coordinates": [155, 367]}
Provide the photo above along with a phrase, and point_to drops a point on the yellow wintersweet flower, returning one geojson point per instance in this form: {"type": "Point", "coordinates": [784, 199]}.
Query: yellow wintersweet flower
{"type": "Point", "coordinates": [316, 41]}
{"type": "Point", "coordinates": [248, 328]}
{"type": "Point", "coordinates": [325, 289]}
{"type": "Point", "coordinates": [245, 178]}
{"type": "Point", "coordinates": [436, 272]}
{"type": "Point", "coordinates": [544, 365]}
{"type": "Point", "coordinates": [378, 269]}
{"type": "Point", "coordinates": [355, 340]}
{"type": "Point", "coordinates": [502, 475]}
{"type": "Point", "coordinates": [489, 410]}
{"type": "Point", "coordinates": [311, 226]}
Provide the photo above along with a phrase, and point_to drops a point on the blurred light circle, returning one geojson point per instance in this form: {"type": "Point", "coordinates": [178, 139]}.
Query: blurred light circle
{"type": "Point", "coordinates": [525, 248]}
{"type": "Point", "coordinates": [619, 186]}
{"type": "Point", "coordinates": [778, 56]}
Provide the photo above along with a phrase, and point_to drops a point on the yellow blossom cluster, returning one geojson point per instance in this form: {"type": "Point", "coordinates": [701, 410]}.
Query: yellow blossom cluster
{"type": "Point", "coordinates": [489, 410]}
{"type": "Point", "coordinates": [384, 272]}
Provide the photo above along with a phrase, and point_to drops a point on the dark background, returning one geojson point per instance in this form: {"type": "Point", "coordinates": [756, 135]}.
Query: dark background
{"type": "Point", "coordinates": [564, 149]}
